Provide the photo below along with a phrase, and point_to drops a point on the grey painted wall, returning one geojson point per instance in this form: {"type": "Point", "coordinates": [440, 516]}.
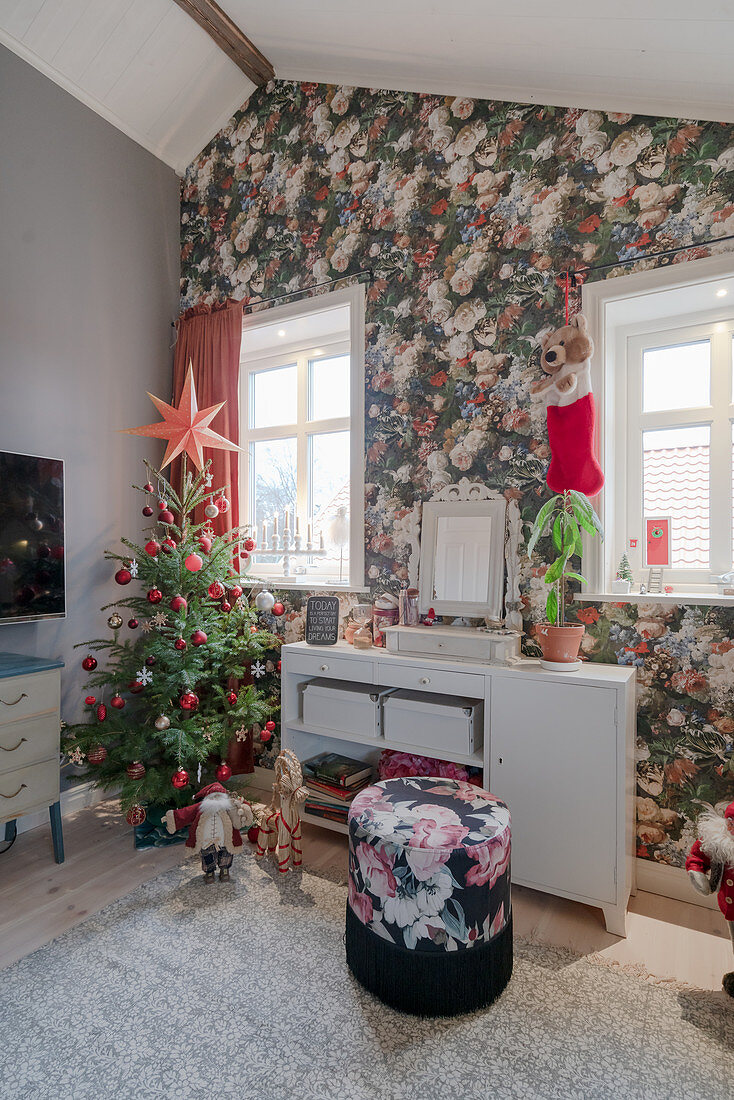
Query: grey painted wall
{"type": "Point", "coordinates": [89, 226]}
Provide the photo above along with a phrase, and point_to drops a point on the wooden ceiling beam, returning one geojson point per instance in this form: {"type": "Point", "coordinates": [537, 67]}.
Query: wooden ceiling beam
{"type": "Point", "coordinates": [229, 38]}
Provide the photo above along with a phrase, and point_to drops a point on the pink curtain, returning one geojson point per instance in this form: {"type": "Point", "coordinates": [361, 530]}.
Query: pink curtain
{"type": "Point", "coordinates": [210, 337]}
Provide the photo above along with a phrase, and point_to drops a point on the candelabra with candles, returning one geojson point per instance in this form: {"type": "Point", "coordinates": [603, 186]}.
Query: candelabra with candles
{"type": "Point", "coordinates": [290, 544]}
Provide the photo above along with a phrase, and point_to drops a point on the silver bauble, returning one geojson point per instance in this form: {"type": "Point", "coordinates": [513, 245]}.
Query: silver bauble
{"type": "Point", "coordinates": [211, 511]}
{"type": "Point", "coordinates": [162, 723]}
{"type": "Point", "coordinates": [264, 601]}
{"type": "Point", "coordinates": [115, 621]}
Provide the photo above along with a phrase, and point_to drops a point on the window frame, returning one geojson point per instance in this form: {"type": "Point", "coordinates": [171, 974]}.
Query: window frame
{"type": "Point", "coordinates": [717, 416]}
{"type": "Point", "coordinates": [615, 308]}
{"type": "Point", "coordinates": [299, 354]}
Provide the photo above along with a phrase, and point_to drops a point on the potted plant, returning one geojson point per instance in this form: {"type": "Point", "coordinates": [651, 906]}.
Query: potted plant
{"type": "Point", "coordinates": [623, 581]}
{"type": "Point", "coordinates": [565, 515]}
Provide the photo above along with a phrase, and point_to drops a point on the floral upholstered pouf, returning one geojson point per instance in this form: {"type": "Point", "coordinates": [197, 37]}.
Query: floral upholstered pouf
{"type": "Point", "coordinates": [429, 922]}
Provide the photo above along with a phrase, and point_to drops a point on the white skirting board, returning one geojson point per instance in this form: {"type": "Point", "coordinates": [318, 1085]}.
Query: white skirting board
{"type": "Point", "coordinates": [671, 882]}
{"type": "Point", "coordinates": [72, 799]}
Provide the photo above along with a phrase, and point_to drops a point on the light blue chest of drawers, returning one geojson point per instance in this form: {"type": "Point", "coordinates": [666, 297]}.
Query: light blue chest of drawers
{"type": "Point", "coordinates": [30, 691]}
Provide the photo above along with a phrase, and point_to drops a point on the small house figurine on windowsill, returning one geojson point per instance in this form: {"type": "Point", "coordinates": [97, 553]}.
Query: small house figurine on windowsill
{"type": "Point", "coordinates": [623, 580]}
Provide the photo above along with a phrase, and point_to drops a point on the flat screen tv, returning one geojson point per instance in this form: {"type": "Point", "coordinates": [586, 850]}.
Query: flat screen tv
{"type": "Point", "coordinates": [32, 572]}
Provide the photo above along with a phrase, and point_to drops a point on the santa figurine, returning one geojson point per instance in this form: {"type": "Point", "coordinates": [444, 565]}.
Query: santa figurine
{"type": "Point", "coordinates": [710, 867]}
{"type": "Point", "coordinates": [214, 821]}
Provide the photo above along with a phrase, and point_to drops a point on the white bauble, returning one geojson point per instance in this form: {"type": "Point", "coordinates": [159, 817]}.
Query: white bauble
{"type": "Point", "coordinates": [264, 601]}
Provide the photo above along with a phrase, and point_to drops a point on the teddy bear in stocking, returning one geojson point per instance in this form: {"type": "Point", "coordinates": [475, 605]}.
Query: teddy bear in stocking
{"type": "Point", "coordinates": [571, 413]}
{"type": "Point", "coordinates": [710, 867]}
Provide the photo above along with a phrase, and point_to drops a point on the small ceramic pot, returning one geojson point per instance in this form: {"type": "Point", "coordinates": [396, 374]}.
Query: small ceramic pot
{"type": "Point", "coordinates": [560, 644]}
{"type": "Point", "coordinates": [620, 585]}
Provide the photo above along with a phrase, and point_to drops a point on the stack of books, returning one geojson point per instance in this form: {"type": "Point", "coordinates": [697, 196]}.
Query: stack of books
{"type": "Point", "coordinates": [332, 782]}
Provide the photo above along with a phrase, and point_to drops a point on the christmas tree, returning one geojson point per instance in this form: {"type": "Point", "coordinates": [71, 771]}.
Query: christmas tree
{"type": "Point", "coordinates": [164, 699]}
{"type": "Point", "coordinates": [624, 573]}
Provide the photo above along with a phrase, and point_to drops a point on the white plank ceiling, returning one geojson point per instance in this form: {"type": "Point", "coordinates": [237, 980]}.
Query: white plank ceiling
{"type": "Point", "coordinates": [150, 70]}
{"type": "Point", "coordinates": [144, 65]}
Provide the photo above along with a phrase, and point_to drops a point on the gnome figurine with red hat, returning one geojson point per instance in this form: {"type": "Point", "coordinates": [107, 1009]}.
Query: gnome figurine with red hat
{"type": "Point", "coordinates": [214, 821]}
{"type": "Point", "coordinates": [710, 867]}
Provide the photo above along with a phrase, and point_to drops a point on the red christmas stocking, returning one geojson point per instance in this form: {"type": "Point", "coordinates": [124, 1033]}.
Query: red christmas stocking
{"type": "Point", "coordinates": [571, 437]}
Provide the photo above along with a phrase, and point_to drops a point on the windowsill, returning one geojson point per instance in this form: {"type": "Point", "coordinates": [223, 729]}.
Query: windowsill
{"type": "Point", "coordinates": [710, 599]}
{"type": "Point", "coordinates": [308, 584]}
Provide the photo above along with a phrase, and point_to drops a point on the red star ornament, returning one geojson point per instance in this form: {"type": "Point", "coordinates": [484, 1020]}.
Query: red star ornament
{"type": "Point", "coordinates": [186, 428]}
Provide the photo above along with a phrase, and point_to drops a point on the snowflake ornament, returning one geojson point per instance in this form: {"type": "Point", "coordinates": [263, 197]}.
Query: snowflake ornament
{"type": "Point", "coordinates": [133, 568]}
{"type": "Point", "coordinates": [258, 669]}
{"type": "Point", "coordinates": [144, 676]}
{"type": "Point", "coordinates": [241, 734]}
{"type": "Point", "coordinates": [159, 619]}
{"type": "Point", "coordinates": [76, 756]}
{"type": "Point", "coordinates": [147, 627]}
{"type": "Point", "coordinates": [206, 733]}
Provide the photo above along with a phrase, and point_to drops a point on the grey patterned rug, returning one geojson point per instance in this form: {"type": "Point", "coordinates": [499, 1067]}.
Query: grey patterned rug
{"type": "Point", "coordinates": [191, 991]}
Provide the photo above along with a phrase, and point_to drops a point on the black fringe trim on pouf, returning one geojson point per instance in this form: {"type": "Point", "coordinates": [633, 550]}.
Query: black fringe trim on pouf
{"type": "Point", "coordinates": [429, 983]}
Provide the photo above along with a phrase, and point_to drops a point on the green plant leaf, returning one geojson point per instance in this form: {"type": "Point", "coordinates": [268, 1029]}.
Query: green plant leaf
{"type": "Point", "coordinates": [540, 521]}
{"type": "Point", "coordinates": [551, 607]}
{"type": "Point", "coordinates": [558, 533]}
{"type": "Point", "coordinates": [576, 577]}
{"type": "Point", "coordinates": [583, 510]}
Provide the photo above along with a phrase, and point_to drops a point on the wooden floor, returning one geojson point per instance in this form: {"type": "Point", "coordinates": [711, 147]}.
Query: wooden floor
{"type": "Point", "coordinates": [39, 900]}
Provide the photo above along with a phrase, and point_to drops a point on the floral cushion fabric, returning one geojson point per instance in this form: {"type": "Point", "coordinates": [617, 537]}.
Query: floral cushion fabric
{"type": "Point", "coordinates": [429, 863]}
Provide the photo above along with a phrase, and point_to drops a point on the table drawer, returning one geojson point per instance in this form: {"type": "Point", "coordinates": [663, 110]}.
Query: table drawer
{"type": "Point", "coordinates": [324, 664]}
{"type": "Point", "coordinates": [25, 788]}
{"type": "Point", "coordinates": [21, 696]}
{"type": "Point", "coordinates": [432, 679]}
{"type": "Point", "coordinates": [29, 741]}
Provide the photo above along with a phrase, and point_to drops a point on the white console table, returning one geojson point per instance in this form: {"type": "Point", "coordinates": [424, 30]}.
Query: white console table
{"type": "Point", "coordinates": [558, 749]}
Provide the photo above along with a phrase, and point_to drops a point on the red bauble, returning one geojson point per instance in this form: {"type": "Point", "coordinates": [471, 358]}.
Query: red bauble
{"type": "Point", "coordinates": [180, 779]}
{"type": "Point", "coordinates": [57, 552]}
{"type": "Point", "coordinates": [134, 687]}
{"type": "Point", "coordinates": [222, 504]}
{"type": "Point", "coordinates": [249, 544]}
{"type": "Point", "coordinates": [279, 664]}
{"type": "Point", "coordinates": [148, 487]}
{"type": "Point", "coordinates": [253, 630]}
{"type": "Point", "coordinates": [166, 516]}
{"type": "Point", "coordinates": [123, 576]}
{"type": "Point", "coordinates": [205, 544]}
{"type": "Point", "coordinates": [198, 638]}
{"type": "Point", "coordinates": [155, 595]}
{"type": "Point", "coordinates": [266, 736]}
{"type": "Point", "coordinates": [235, 592]}
{"type": "Point", "coordinates": [223, 772]}
{"type": "Point", "coordinates": [101, 712]}
{"type": "Point", "coordinates": [225, 605]}
{"type": "Point", "coordinates": [270, 725]}
{"type": "Point", "coordinates": [278, 609]}
{"type": "Point", "coordinates": [136, 770]}
{"type": "Point", "coordinates": [147, 511]}
{"type": "Point", "coordinates": [179, 644]}
{"type": "Point", "coordinates": [150, 661]}
{"type": "Point", "coordinates": [117, 702]}
{"type": "Point", "coordinates": [132, 623]}
{"type": "Point", "coordinates": [97, 755]}
{"type": "Point", "coordinates": [169, 544]}
{"type": "Point", "coordinates": [189, 701]}
{"type": "Point", "coordinates": [216, 590]}
{"type": "Point", "coordinates": [153, 548]}
{"type": "Point", "coordinates": [178, 603]}
{"type": "Point", "coordinates": [135, 815]}
{"type": "Point", "coordinates": [253, 833]}
{"type": "Point", "coordinates": [193, 563]}
{"type": "Point", "coordinates": [231, 698]}
{"type": "Point", "coordinates": [90, 700]}
{"type": "Point", "coordinates": [162, 505]}
{"type": "Point", "coordinates": [89, 664]}
{"type": "Point", "coordinates": [245, 556]}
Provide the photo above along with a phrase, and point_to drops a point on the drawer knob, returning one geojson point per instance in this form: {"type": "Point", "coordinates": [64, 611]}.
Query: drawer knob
{"type": "Point", "coordinates": [9, 796]}
{"type": "Point", "coordinates": [7, 704]}
{"type": "Point", "coordinates": [425, 680]}
{"type": "Point", "coordinates": [14, 746]}
{"type": "Point", "coordinates": [324, 668]}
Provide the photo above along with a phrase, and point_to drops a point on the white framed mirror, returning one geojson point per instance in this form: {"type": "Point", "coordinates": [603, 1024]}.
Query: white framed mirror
{"type": "Point", "coordinates": [462, 554]}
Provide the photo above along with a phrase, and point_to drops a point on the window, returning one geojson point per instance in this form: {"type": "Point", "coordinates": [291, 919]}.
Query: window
{"type": "Point", "coordinates": [663, 379]}
{"type": "Point", "coordinates": [679, 444]}
{"type": "Point", "coordinates": [301, 413]}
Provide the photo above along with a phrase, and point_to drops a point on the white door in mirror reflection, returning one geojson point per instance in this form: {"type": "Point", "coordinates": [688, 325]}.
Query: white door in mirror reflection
{"type": "Point", "coordinates": [462, 555]}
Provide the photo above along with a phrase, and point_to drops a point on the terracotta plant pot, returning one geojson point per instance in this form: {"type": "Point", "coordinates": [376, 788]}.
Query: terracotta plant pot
{"type": "Point", "coordinates": [560, 644]}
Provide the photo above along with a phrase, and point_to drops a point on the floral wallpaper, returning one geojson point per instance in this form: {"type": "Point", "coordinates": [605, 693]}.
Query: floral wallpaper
{"type": "Point", "coordinates": [468, 212]}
